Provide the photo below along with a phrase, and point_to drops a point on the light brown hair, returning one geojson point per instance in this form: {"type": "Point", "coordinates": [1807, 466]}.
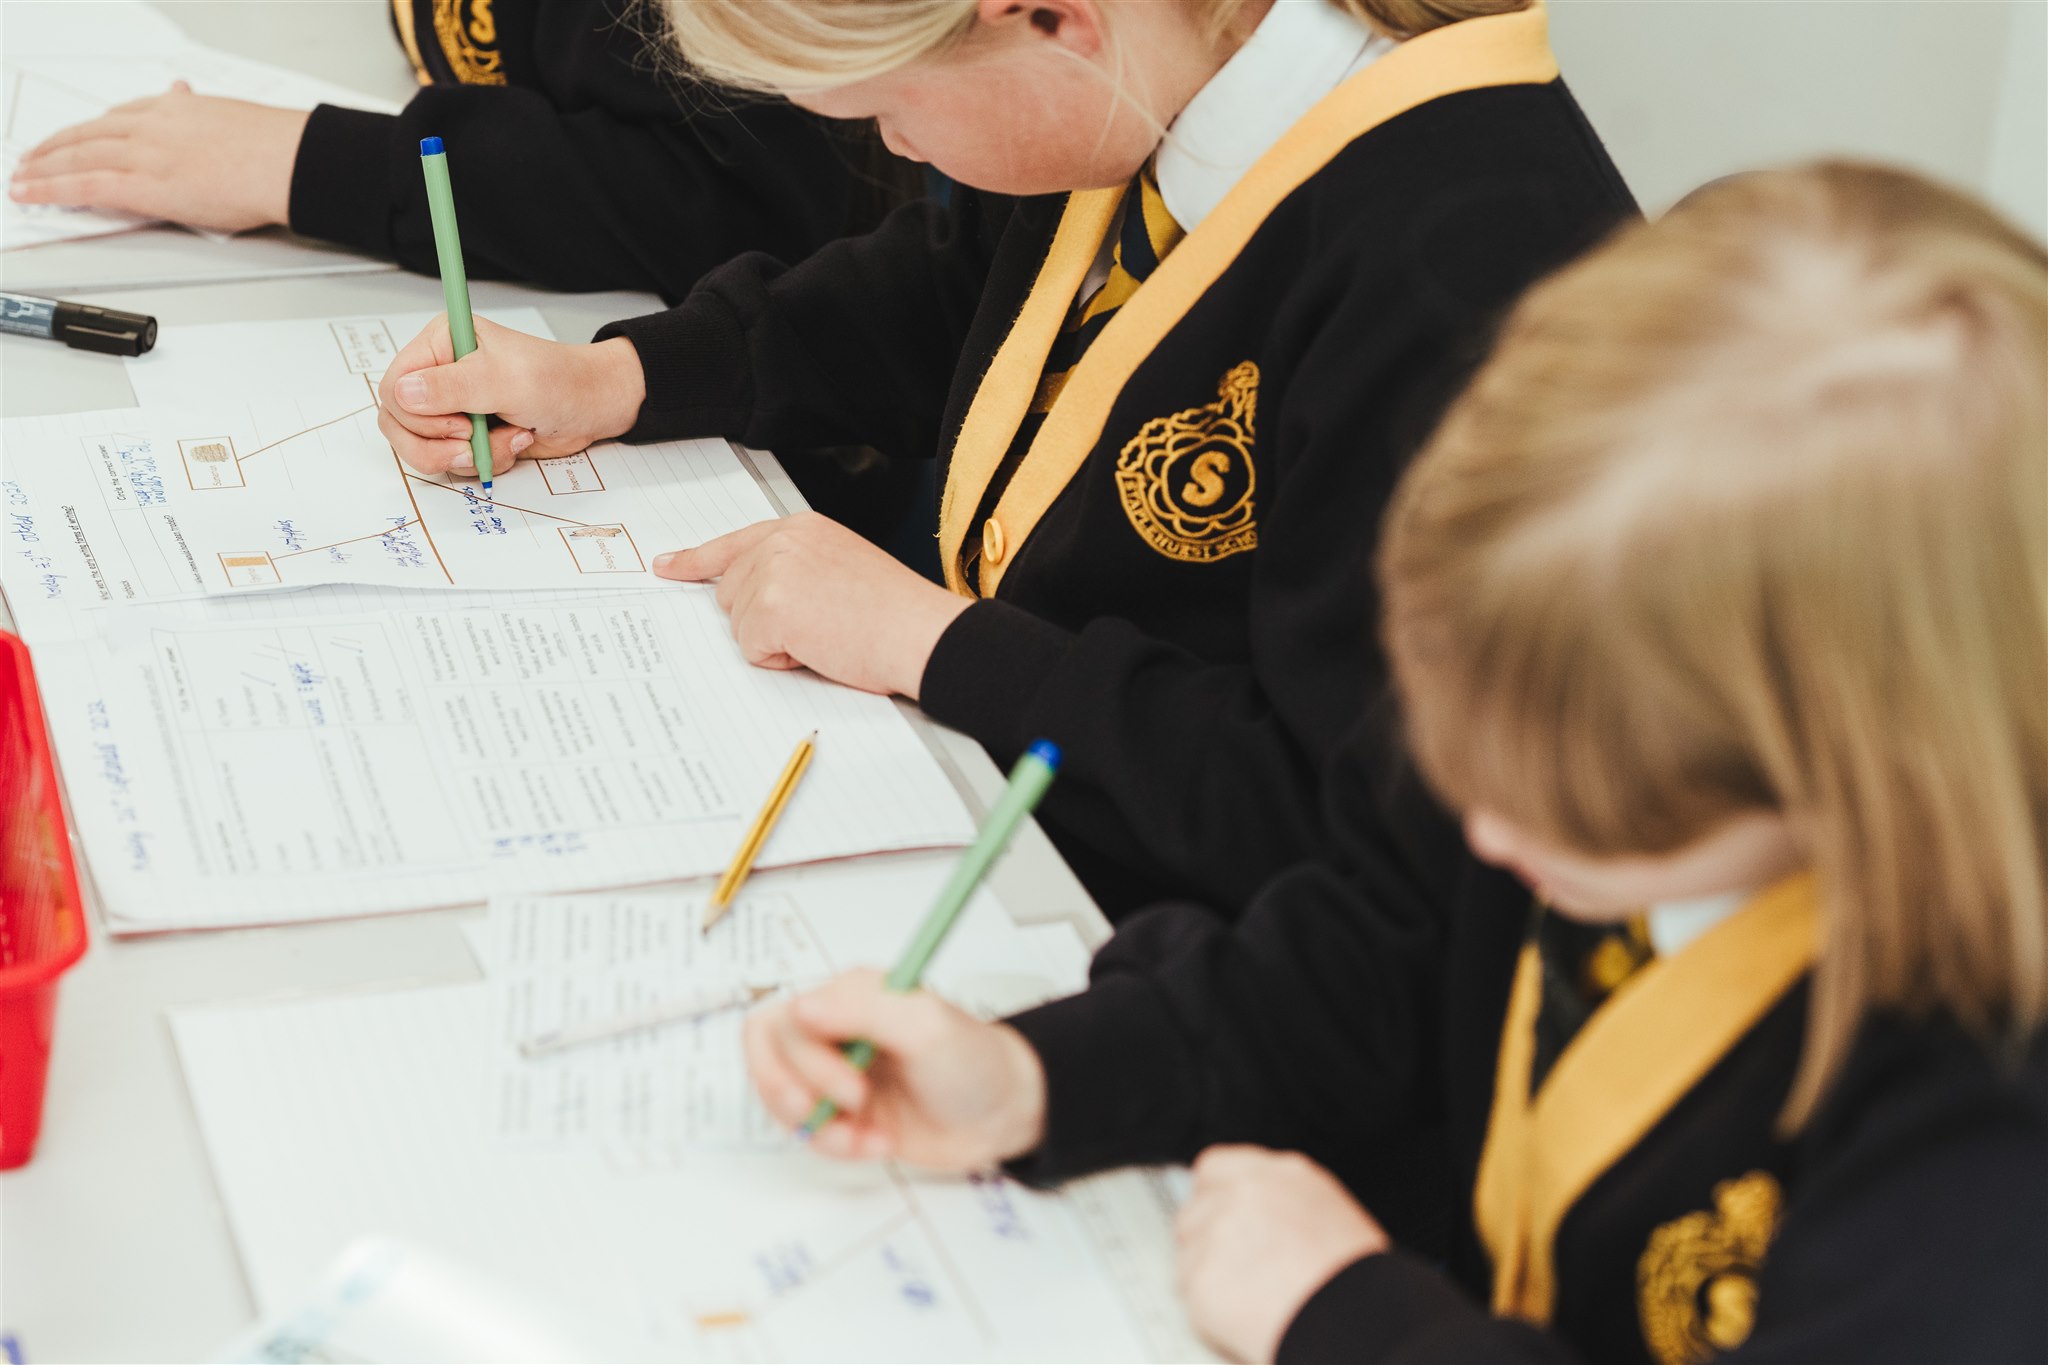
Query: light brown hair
{"type": "Point", "coordinates": [780, 46]}
{"type": "Point", "coordinates": [1748, 510]}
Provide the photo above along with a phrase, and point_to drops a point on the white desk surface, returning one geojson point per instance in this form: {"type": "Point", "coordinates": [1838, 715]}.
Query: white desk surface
{"type": "Point", "coordinates": [113, 1242]}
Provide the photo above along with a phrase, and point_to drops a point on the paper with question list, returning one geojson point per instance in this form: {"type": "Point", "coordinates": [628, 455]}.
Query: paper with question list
{"type": "Point", "coordinates": [385, 1113]}
{"type": "Point", "coordinates": [359, 751]}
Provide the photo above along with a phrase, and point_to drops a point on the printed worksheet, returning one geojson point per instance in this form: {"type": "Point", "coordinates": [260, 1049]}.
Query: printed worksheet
{"type": "Point", "coordinates": [332, 358]}
{"type": "Point", "coordinates": [667, 1093]}
{"type": "Point", "coordinates": [281, 491]}
{"type": "Point", "coordinates": [64, 64]}
{"type": "Point", "coordinates": [333, 1118]}
{"type": "Point", "coordinates": [308, 756]}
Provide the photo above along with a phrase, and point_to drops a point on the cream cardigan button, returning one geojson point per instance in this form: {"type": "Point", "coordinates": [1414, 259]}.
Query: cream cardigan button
{"type": "Point", "coordinates": [992, 546]}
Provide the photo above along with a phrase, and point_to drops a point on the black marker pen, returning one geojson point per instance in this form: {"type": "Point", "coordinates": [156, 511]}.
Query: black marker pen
{"type": "Point", "coordinates": [79, 325]}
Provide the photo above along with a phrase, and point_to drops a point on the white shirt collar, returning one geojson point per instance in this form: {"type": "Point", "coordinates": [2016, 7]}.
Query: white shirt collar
{"type": "Point", "coordinates": [1300, 52]}
{"type": "Point", "coordinates": [1675, 924]}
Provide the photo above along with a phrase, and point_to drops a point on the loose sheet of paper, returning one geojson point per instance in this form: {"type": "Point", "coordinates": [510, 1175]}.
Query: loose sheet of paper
{"type": "Point", "coordinates": [316, 358]}
{"type": "Point", "coordinates": [353, 751]}
{"type": "Point", "coordinates": [332, 1118]}
{"type": "Point", "coordinates": [661, 1094]}
{"type": "Point", "coordinates": [64, 64]}
{"type": "Point", "coordinates": [295, 486]}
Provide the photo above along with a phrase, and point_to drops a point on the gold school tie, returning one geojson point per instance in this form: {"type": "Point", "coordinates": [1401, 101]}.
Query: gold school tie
{"type": "Point", "coordinates": [1148, 232]}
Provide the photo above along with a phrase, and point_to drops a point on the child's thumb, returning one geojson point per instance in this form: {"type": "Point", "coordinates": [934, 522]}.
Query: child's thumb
{"type": "Point", "coordinates": [858, 1004]}
{"type": "Point", "coordinates": [439, 389]}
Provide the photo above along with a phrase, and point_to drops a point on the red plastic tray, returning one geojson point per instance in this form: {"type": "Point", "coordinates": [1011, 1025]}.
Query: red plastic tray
{"type": "Point", "coordinates": [42, 920]}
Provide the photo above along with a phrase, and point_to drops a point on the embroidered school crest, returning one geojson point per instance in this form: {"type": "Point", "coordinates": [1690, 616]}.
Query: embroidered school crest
{"type": "Point", "coordinates": [469, 36]}
{"type": "Point", "coordinates": [1187, 480]}
{"type": "Point", "coordinates": [1696, 1281]}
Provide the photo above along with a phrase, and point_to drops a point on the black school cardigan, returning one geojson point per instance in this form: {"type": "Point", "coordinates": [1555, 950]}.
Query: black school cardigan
{"type": "Point", "coordinates": [577, 162]}
{"type": "Point", "coordinates": [1195, 680]}
{"type": "Point", "coordinates": [1908, 1220]}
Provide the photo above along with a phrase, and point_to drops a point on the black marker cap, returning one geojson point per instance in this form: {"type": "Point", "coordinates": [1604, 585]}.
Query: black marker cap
{"type": "Point", "coordinates": [87, 328]}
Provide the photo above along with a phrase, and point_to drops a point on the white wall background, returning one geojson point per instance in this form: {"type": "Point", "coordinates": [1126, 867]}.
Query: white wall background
{"type": "Point", "coordinates": [1687, 90]}
{"type": "Point", "coordinates": [1682, 90]}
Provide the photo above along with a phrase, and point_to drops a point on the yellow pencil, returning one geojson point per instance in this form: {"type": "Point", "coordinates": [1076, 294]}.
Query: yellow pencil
{"type": "Point", "coordinates": [735, 876]}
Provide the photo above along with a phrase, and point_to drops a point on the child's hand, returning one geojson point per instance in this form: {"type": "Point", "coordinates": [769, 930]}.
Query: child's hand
{"type": "Point", "coordinates": [554, 398]}
{"type": "Point", "coordinates": [946, 1091]}
{"type": "Point", "coordinates": [1263, 1232]}
{"type": "Point", "coordinates": [194, 159]}
{"type": "Point", "coordinates": [805, 592]}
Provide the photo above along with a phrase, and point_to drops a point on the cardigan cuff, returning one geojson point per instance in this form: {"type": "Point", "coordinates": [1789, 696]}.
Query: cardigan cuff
{"type": "Point", "coordinates": [695, 360]}
{"type": "Point", "coordinates": [986, 671]}
{"type": "Point", "coordinates": [1111, 1097]}
{"type": "Point", "coordinates": [341, 179]}
{"type": "Point", "coordinates": [1370, 1309]}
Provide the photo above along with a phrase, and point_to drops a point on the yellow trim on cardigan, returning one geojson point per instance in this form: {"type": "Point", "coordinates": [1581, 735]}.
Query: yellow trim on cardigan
{"type": "Point", "coordinates": [1640, 1053]}
{"type": "Point", "coordinates": [1006, 391]}
{"type": "Point", "coordinates": [1474, 54]}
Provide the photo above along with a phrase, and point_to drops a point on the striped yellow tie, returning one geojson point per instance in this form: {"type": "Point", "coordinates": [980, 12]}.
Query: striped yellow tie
{"type": "Point", "coordinates": [1147, 234]}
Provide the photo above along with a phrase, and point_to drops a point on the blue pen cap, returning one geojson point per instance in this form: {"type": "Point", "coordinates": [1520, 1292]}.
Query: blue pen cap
{"type": "Point", "coordinates": [1046, 752]}
{"type": "Point", "coordinates": [430, 146]}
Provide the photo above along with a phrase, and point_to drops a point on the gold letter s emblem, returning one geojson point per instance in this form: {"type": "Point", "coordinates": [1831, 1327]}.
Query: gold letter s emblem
{"type": "Point", "coordinates": [1205, 484]}
{"type": "Point", "coordinates": [1186, 481]}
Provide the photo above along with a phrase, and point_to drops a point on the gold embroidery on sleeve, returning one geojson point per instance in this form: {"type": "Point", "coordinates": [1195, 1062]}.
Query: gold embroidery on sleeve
{"type": "Point", "coordinates": [468, 41]}
{"type": "Point", "coordinates": [1186, 481]}
{"type": "Point", "coordinates": [1696, 1281]}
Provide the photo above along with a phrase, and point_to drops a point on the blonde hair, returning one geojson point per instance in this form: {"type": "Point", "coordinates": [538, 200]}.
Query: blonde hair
{"type": "Point", "coordinates": [1746, 512]}
{"type": "Point", "coordinates": [780, 46]}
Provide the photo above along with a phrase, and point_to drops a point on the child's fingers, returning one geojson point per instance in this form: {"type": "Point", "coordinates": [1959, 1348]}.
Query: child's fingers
{"type": "Point", "coordinates": [783, 1093]}
{"type": "Point", "coordinates": [710, 560]}
{"type": "Point", "coordinates": [427, 454]}
{"type": "Point", "coordinates": [87, 189]}
{"type": "Point", "coordinates": [110, 125]}
{"type": "Point", "coordinates": [507, 445]}
{"type": "Point", "coordinates": [858, 1004]}
{"type": "Point", "coordinates": [822, 1067]}
{"type": "Point", "coordinates": [101, 152]}
{"type": "Point", "coordinates": [431, 347]}
{"type": "Point", "coordinates": [848, 1138]}
{"type": "Point", "coordinates": [467, 385]}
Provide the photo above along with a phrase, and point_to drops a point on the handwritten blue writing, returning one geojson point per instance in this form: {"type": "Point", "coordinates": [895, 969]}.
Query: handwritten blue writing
{"type": "Point", "coordinates": [22, 527]}
{"type": "Point", "coordinates": [483, 516]}
{"type": "Point", "coordinates": [992, 1192]}
{"type": "Point", "coordinates": [138, 466]}
{"type": "Point", "coordinates": [915, 1289]}
{"type": "Point", "coordinates": [294, 538]}
{"type": "Point", "coordinates": [784, 1266]}
{"type": "Point", "coordinates": [551, 845]}
{"type": "Point", "coordinates": [399, 544]}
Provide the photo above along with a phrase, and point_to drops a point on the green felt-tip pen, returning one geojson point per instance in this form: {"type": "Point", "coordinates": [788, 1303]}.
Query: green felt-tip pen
{"type": "Point", "coordinates": [454, 285]}
{"type": "Point", "coordinates": [1028, 782]}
